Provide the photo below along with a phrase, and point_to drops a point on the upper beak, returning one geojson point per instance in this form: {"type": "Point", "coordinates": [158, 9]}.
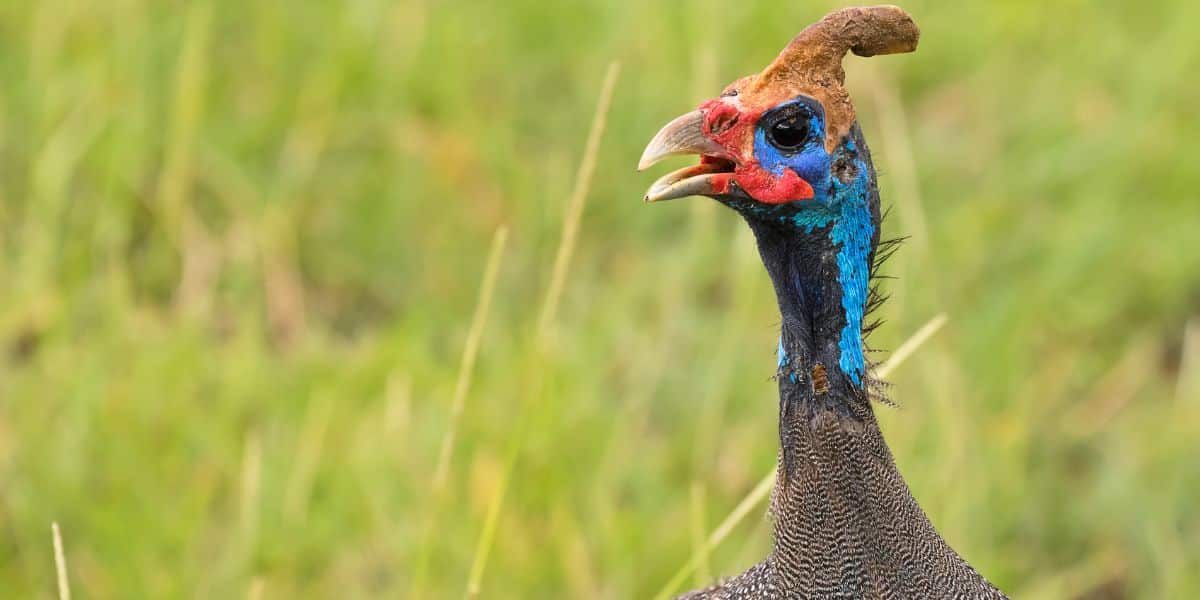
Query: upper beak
{"type": "Point", "coordinates": [683, 135]}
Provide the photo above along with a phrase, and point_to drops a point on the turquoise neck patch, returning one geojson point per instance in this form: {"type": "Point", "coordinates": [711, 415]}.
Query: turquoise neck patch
{"type": "Point", "coordinates": [853, 232]}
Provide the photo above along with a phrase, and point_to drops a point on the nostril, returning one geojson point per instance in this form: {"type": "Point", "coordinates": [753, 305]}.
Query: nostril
{"type": "Point", "coordinates": [720, 118]}
{"type": "Point", "coordinates": [722, 123]}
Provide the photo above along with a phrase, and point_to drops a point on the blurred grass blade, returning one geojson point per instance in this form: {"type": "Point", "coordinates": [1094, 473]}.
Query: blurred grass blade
{"type": "Point", "coordinates": [583, 181]}
{"type": "Point", "coordinates": [698, 526]}
{"type": "Point", "coordinates": [1187, 381]}
{"type": "Point", "coordinates": [558, 277]}
{"type": "Point", "coordinates": [470, 351]}
{"type": "Point", "coordinates": [186, 112]}
{"type": "Point", "coordinates": [465, 370]}
{"type": "Point", "coordinates": [1091, 577]}
{"type": "Point", "coordinates": [901, 164]}
{"type": "Point", "coordinates": [236, 559]}
{"type": "Point", "coordinates": [760, 491]}
{"type": "Point", "coordinates": [310, 447]}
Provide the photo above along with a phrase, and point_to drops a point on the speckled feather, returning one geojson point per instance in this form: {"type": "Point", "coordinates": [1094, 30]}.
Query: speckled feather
{"type": "Point", "coordinates": [846, 525]}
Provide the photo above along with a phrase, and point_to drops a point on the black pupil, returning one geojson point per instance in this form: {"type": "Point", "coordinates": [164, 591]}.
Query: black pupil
{"type": "Point", "coordinates": [789, 133]}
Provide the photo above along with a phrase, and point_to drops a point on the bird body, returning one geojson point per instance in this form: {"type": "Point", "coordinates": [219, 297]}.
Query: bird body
{"type": "Point", "coordinates": [783, 149]}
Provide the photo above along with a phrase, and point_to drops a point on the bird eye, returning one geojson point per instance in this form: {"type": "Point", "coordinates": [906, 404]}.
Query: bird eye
{"type": "Point", "coordinates": [789, 133]}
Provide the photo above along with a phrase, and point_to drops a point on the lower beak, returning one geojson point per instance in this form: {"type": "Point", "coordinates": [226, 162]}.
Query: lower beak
{"type": "Point", "coordinates": [685, 135]}
{"type": "Point", "coordinates": [704, 179]}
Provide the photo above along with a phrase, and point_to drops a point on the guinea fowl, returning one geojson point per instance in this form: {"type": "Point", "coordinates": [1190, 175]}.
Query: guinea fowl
{"type": "Point", "coordinates": [783, 149]}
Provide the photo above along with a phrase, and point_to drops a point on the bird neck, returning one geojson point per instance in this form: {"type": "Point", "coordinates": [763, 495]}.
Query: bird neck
{"type": "Point", "coordinates": [819, 260]}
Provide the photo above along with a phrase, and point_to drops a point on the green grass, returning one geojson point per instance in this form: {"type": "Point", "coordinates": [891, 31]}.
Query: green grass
{"type": "Point", "coordinates": [242, 244]}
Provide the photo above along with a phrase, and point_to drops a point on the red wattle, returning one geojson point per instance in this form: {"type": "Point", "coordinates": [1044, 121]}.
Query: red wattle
{"type": "Point", "coordinates": [770, 189]}
{"type": "Point", "coordinates": [720, 182]}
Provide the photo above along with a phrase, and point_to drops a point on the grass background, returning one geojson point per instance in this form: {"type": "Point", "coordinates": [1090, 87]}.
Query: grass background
{"type": "Point", "coordinates": [241, 245]}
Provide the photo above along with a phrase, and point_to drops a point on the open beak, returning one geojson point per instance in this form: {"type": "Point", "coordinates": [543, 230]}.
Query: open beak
{"type": "Point", "coordinates": [685, 135]}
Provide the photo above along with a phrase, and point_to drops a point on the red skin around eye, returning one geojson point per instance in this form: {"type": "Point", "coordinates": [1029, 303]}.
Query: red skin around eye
{"type": "Point", "coordinates": [726, 125]}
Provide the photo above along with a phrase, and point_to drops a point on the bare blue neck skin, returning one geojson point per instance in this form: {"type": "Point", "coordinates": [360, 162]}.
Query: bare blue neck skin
{"type": "Point", "coordinates": [818, 254]}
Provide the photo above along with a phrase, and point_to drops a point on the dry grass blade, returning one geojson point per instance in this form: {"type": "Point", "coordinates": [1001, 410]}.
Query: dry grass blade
{"type": "Point", "coordinates": [583, 181]}
{"type": "Point", "coordinates": [760, 491]}
{"type": "Point", "coordinates": [60, 563]}
{"type": "Point", "coordinates": [484, 547]}
{"type": "Point", "coordinates": [470, 351]}
{"type": "Point", "coordinates": [558, 278]}
{"type": "Point", "coordinates": [719, 534]}
{"type": "Point", "coordinates": [463, 385]}
{"type": "Point", "coordinates": [910, 345]}
{"type": "Point", "coordinates": [255, 590]}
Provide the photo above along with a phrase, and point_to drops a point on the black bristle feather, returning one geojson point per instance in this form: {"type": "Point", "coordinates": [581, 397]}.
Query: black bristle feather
{"type": "Point", "coordinates": [870, 327]}
{"type": "Point", "coordinates": [877, 387]}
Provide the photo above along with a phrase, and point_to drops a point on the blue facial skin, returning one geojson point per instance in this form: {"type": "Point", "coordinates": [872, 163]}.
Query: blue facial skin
{"type": "Point", "coordinates": [843, 204]}
{"type": "Point", "coordinates": [810, 161]}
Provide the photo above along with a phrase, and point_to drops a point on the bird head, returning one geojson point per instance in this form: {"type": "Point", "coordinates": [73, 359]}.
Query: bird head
{"type": "Point", "coordinates": [782, 137]}
{"type": "Point", "coordinates": [783, 149]}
